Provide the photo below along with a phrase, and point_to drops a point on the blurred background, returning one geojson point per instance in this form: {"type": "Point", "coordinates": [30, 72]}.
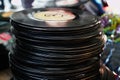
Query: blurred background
{"type": "Point", "coordinates": [106, 10]}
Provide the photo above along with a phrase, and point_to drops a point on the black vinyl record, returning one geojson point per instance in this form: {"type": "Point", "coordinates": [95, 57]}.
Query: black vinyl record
{"type": "Point", "coordinates": [28, 21]}
{"type": "Point", "coordinates": [105, 74]}
{"type": "Point", "coordinates": [56, 56]}
{"type": "Point", "coordinates": [55, 72]}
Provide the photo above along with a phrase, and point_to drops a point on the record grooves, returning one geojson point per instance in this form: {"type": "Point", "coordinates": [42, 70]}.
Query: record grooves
{"type": "Point", "coordinates": [48, 48]}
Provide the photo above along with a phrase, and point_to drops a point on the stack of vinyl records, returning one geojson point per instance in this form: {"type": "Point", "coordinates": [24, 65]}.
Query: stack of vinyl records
{"type": "Point", "coordinates": [55, 44]}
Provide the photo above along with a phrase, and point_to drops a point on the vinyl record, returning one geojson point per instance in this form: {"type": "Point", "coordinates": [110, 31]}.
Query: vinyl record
{"type": "Point", "coordinates": [75, 19]}
{"type": "Point", "coordinates": [56, 56]}
{"type": "Point", "coordinates": [60, 50]}
{"type": "Point", "coordinates": [61, 37]}
{"type": "Point", "coordinates": [58, 47]}
{"type": "Point", "coordinates": [105, 74]}
{"type": "Point", "coordinates": [57, 28]}
{"type": "Point", "coordinates": [27, 70]}
{"type": "Point", "coordinates": [39, 60]}
{"type": "Point", "coordinates": [51, 70]}
{"type": "Point", "coordinates": [50, 62]}
{"type": "Point", "coordinates": [86, 32]}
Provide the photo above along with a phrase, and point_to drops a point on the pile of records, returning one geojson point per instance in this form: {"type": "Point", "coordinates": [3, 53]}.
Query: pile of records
{"type": "Point", "coordinates": [55, 44]}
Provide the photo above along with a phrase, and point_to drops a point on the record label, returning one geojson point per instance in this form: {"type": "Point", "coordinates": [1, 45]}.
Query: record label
{"type": "Point", "coordinates": [56, 15]}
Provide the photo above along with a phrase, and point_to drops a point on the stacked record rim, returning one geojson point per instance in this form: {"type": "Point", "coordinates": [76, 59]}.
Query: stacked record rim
{"type": "Point", "coordinates": [56, 49]}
